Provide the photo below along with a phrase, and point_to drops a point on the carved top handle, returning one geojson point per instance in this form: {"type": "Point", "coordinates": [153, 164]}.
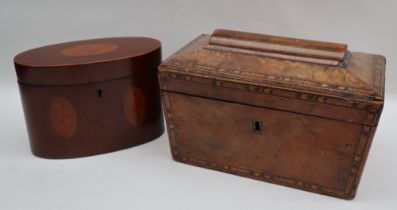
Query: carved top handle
{"type": "Point", "coordinates": [318, 52]}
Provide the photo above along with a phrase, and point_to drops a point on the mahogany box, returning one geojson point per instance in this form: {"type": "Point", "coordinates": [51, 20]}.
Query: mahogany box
{"type": "Point", "coordinates": [93, 96]}
{"type": "Point", "coordinates": [288, 111]}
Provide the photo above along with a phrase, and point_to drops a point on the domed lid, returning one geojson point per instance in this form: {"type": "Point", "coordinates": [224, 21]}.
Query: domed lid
{"type": "Point", "coordinates": [87, 61]}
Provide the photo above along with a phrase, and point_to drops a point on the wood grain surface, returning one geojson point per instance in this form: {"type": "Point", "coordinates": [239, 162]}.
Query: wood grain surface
{"type": "Point", "coordinates": [90, 97]}
{"type": "Point", "coordinates": [297, 123]}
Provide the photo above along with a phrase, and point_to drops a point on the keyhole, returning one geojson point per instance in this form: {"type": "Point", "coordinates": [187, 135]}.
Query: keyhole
{"type": "Point", "coordinates": [257, 126]}
{"type": "Point", "coordinates": [99, 92]}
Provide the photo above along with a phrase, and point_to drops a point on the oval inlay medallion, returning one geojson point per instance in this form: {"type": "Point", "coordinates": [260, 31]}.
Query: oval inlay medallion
{"type": "Point", "coordinates": [135, 106]}
{"type": "Point", "coordinates": [63, 117]}
{"type": "Point", "coordinates": [89, 49]}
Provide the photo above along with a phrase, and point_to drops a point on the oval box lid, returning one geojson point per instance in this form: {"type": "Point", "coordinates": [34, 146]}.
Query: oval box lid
{"type": "Point", "coordinates": [87, 61]}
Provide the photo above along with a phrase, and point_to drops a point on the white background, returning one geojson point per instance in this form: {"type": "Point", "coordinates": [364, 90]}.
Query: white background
{"type": "Point", "coordinates": [146, 177]}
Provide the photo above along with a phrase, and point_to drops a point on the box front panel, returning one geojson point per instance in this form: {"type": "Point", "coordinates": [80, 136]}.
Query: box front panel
{"type": "Point", "coordinates": [302, 151]}
{"type": "Point", "coordinates": [81, 120]}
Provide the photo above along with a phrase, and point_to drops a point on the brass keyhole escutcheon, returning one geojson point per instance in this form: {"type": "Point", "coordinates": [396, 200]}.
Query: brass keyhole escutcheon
{"type": "Point", "coordinates": [257, 126]}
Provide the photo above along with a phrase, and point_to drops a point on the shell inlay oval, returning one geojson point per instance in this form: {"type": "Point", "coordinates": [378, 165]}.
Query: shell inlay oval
{"type": "Point", "coordinates": [63, 117]}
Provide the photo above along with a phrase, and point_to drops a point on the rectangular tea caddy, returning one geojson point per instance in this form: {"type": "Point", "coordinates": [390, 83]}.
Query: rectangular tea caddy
{"type": "Point", "coordinates": [288, 111]}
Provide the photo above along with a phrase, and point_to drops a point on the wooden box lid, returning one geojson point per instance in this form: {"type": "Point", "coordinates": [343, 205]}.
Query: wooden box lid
{"type": "Point", "coordinates": [87, 61]}
{"type": "Point", "coordinates": [302, 70]}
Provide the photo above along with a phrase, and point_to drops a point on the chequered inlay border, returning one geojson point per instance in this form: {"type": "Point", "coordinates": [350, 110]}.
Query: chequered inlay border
{"type": "Point", "coordinates": [358, 158]}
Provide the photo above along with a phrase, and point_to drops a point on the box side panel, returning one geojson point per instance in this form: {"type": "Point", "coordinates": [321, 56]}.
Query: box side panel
{"type": "Point", "coordinates": [360, 158]}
